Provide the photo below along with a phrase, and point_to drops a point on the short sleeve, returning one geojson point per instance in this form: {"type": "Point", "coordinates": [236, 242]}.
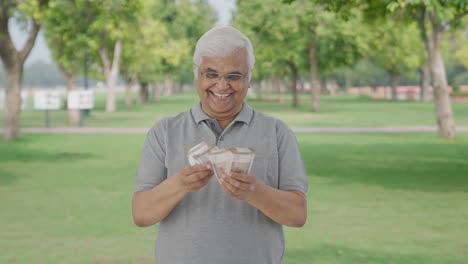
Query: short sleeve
{"type": "Point", "coordinates": [291, 171]}
{"type": "Point", "coordinates": [151, 169]}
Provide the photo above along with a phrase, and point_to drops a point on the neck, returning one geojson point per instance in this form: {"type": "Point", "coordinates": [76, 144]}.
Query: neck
{"type": "Point", "coordinates": [223, 123]}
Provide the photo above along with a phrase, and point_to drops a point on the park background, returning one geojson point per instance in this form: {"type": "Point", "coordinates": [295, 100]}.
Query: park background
{"type": "Point", "coordinates": [387, 183]}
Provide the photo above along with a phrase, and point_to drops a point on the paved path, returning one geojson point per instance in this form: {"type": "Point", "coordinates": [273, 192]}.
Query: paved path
{"type": "Point", "coordinates": [141, 130]}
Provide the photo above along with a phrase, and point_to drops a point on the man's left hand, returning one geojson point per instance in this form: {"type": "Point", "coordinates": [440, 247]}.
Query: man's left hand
{"type": "Point", "coordinates": [240, 186]}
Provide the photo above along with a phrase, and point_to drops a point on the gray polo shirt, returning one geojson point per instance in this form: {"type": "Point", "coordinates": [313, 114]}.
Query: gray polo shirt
{"type": "Point", "coordinates": [209, 226]}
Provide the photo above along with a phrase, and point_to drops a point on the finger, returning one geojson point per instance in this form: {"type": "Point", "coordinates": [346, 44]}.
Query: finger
{"type": "Point", "coordinates": [198, 176]}
{"type": "Point", "coordinates": [241, 177]}
{"type": "Point", "coordinates": [239, 185]}
{"type": "Point", "coordinates": [226, 190]}
{"type": "Point", "coordinates": [228, 186]}
{"type": "Point", "coordinates": [202, 182]}
{"type": "Point", "coordinates": [196, 168]}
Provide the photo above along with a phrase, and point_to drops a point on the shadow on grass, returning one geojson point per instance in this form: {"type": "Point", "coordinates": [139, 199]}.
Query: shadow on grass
{"type": "Point", "coordinates": [7, 177]}
{"type": "Point", "coordinates": [20, 151]}
{"type": "Point", "coordinates": [332, 254]}
{"type": "Point", "coordinates": [432, 167]}
{"type": "Point", "coordinates": [25, 154]}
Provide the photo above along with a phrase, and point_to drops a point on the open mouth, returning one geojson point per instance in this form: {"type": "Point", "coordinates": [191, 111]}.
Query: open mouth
{"type": "Point", "coordinates": [220, 95]}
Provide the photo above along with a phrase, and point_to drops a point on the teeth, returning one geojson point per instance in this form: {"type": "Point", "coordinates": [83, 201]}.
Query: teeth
{"type": "Point", "coordinates": [221, 95]}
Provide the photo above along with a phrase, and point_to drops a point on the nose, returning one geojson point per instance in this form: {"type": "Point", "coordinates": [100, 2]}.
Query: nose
{"type": "Point", "coordinates": [222, 82]}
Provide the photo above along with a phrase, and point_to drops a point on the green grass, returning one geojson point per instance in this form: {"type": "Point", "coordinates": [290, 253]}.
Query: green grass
{"type": "Point", "coordinates": [342, 110]}
{"type": "Point", "coordinates": [374, 198]}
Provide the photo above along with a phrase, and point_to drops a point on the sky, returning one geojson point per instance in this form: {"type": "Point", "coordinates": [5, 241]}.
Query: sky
{"type": "Point", "coordinates": [42, 52]}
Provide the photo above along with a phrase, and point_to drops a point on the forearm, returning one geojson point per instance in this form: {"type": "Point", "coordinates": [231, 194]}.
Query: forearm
{"type": "Point", "coordinates": [284, 207]}
{"type": "Point", "coordinates": [151, 206]}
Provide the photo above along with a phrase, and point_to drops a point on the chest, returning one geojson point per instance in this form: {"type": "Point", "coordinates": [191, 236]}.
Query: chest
{"type": "Point", "coordinates": [261, 139]}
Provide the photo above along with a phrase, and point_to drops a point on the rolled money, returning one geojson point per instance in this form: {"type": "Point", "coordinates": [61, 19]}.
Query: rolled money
{"type": "Point", "coordinates": [203, 157]}
{"type": "Point", "coordinates": [221, 160]}
{"type": "Point", "coordinates": [197, 150]}
{"type": "Point", "coordinates": [242, 159]}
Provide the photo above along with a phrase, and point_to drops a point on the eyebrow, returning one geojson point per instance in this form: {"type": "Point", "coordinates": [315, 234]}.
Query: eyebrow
{"type": "Point", "coordinates": [213, 70]}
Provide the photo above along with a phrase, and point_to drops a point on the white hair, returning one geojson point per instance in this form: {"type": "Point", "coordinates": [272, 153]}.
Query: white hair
{"type": "Point", "coordinates": [222, 42]}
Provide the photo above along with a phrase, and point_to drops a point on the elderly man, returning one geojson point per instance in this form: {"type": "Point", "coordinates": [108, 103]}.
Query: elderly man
{"type": "Point", "coordinates": [238, 219]}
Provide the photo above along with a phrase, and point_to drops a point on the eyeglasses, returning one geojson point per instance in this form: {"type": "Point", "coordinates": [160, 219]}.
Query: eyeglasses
{"type": "Point", "coordinates": [229, 77]}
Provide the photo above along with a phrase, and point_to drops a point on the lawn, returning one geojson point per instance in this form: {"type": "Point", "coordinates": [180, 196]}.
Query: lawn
{"type": "Point", "coordinates": [374, 198]}
{"type": "Point", "coordinates": [344, 110]}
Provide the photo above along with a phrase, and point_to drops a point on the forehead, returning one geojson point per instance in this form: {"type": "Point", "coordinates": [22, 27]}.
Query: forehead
{"type": "Point", "coordinates": [236, 61]}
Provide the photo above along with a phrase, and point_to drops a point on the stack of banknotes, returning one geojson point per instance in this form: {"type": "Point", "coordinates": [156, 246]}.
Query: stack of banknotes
{"type": "Point", "coordinates": [223, 161]}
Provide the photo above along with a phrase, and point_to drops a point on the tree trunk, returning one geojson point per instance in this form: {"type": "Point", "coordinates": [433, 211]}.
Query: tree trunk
{"type": "Point", "coordinates": [276, 86]}
{"type": "Point", "coordinates": [12, 111]}
{"type": "Point", "coordinates": [314, 83]}
{"type": "Point", "coordinates": [323, 86]}
{"type": "Point", "coordinates": [177, 87]}
{"type": "Point", "coordinates": [282, 90]}
{"type": "Point", "coordinates": [424, 82]}
{"type": "Point", "coordinates": [144, 93]}
{"type": "Point", "coordinates": [443, 105]}
{"type": "Point", "coordinates": [425, 68]}
{"type": "Point", "coordinates": [111, 72]}
{"type": "Point", "coordinates": [130, 82]}
{"type": "Point", "coordinates": [394, 80]}
{"type": "Point", "coordinates": [169, 87]}
{"type": "Point", "coordinates": [269, 86]}
{"type": "Point", "coordinates": [263, 88]}
{"type": "Point", "coordinates": [156, 92]}
{"type": "Point", "coordinates": [13, 61]}
{"type": "Point", "coordinates": [73, 114]}
{"type": "Point", "coordinates": [128, 93]}
{"type": "Point", "coordinates": [347, 79]}
{"type": "Point", "coordinates": [293, 82]}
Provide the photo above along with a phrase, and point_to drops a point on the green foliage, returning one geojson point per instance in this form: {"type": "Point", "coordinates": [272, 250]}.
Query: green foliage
{"type": "Point", "coordinates": [275, 34]}
{"type": "Point", "coordinates": [162, 42]}
{"type": "Point", "coordinates": [66, 33]}
{"type": "Point", "coordinates": [186, 21]}
{"type": "Point", "coordinates": [282, 33]}
{"type": "Point", "coordinates": [396, 46]}
{"type": "Point", "coordinates": [34, 9]}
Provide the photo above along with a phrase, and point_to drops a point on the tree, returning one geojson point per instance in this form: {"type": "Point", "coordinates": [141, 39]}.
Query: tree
{"type": "Point", "coordinates": [65, 33]}
{"type": "Point", "coordinates": [434, 17]}
{"type": "Point", "coordinates": [32, 12]}
{"type": "Point", "coordinates": [278, 42]}
{"type": "Point", "coordinates": [109, 23]}
{"type": "Point", "coordinates": [396, 48]}
{"type": "Point", "coordinates": [302, 36]}
{"type": "Point", "coordinates": [186, 21]}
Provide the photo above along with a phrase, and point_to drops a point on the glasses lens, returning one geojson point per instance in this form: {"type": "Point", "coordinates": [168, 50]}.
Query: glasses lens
{"type": "Point", "coordinates": [211, 75]}
{"type": "Point", "coordinates": [233, 77]}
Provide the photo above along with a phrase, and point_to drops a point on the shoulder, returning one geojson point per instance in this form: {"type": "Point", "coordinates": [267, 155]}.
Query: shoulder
{"type": "Point", "coordinates": [272, 122]}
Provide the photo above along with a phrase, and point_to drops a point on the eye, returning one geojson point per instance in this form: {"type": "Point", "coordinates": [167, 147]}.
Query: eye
{"type": "Point", "coordinates": [233, 76]}
{"type": "Point", "coordinates": [211, 75]}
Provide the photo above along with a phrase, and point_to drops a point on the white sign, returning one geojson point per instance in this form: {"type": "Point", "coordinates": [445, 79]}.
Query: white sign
{"type": "Point", "coordinates": [47, 100]}
{"type": "Point", "coordinates": [24, 100]}
{"type": "Point", "coordinates": [80, 99]}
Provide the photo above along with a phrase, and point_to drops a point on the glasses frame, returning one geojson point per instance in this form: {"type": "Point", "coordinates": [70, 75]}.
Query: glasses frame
{"type": "Point", "coordinates": [231, 77]}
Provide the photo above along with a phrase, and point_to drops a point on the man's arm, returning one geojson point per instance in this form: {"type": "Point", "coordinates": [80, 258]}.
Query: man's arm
{"type": "Point", "coordinates": [284, 207]}
{"type": "Point", "coordinates": [151, 206]}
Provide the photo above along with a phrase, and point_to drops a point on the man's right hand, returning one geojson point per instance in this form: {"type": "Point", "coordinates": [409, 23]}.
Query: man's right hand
{"type": "Point", "coordinates": [193, 178]}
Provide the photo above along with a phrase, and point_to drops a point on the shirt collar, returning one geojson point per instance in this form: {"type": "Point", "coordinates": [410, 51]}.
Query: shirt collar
{"type": "Point", "coordinates": [245, 115]}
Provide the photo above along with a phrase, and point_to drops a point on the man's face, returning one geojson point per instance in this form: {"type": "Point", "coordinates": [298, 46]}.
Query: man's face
{"type": "Point", "coordinates": [222, 84]}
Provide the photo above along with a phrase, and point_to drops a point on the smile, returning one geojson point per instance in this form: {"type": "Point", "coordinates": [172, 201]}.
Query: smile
{"type": "Point", "coordinates": [221, 95]}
